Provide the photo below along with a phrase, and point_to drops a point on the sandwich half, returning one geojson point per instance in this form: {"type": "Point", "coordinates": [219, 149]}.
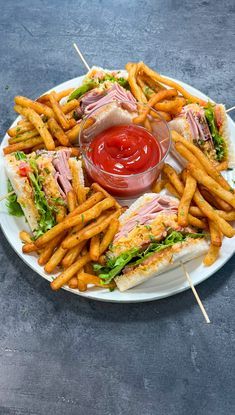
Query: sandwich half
{"type": "Point", "coordinates": [149, 242]}
{"type": "Point", "coordinates": [206, 127]}
{"type": "Point", "coordinates": [41, 181]}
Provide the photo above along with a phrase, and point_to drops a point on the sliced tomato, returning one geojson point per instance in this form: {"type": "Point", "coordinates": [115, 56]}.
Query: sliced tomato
{"type": "Point", "coordinates": [24, 170]}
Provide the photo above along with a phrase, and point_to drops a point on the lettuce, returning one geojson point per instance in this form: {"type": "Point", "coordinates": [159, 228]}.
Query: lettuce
{"type": "Point", "coordinates": [87, 86]}
{"type": "Point", "coordinates": [136, 256]}
{"type": "Point", "coordinates": [218, 140]}
{"type": "Point", "coordinates": [12, 205]}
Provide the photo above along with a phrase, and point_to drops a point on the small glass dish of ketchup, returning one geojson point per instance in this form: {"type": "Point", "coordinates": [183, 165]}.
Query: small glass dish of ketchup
{"type": "Point", "coordinates": [121, 154]}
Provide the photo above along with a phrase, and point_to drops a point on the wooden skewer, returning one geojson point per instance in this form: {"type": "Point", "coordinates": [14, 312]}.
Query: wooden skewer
{"type": "Point", "coordinates": [81, 57]}
{"type": "Point", "coordinates": [230, 109]}
{"type": "Point", "coordinates": [195, 293]}
{"type": "Point", "coordinates": [7, 195]}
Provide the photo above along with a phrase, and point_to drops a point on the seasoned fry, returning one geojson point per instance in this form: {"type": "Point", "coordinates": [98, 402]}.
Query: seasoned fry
{"type": "Point", "coordinates": [165, 115]}
{"type": "Point", "coordinates": [57, 131]}
{"type": "Point", "coordinates": [36, 106]}
{"type": "Point", "coordinates": [98, 188]}
{"type": "Point", "coordinates": [196, 222]}
{"type": "Point", "coordinates": [29, 247]}
{"type": "Point", "coordinates": [23, 145]}
{"type": "Point", "coordinates": [166, 81]}
{"type": "Point", "coordinates": [132, 69]}
{"type": "Point", "coordinates": [61, 118]}
{"type": "Point", "coordinates": [222, 166]}
{"type": "Point", "coordinates": [173, 177]}
{"type": "Point", "coordinates": [188, 155]}
{"type": "Point", "coordinates": [35, 119]}
{"type": "Point", "coordinates": [203, 160]}
{"type": "Point", "coordinates": [158, 185]}
{"type": "Point", "coordinates": [73, 283]}
{"type": "Point", "coordinates": [183, 209]}
{"type": "Point", "coordinates": [23, 137]}
{"type": "Point", "coordinates": [55, 260]}
{"type": "Point", "coordinates": [74, 132]}
{"type": "Point", "coordinates": [216, 237]}
{"type": "Point", "coordinates": [69, 106]}
{"type": "Point", "coordinates": [81, 285]}
{"type": "Point", "coordinates": [209, 212]}
{"type": "Point", "coordinates": [195, 211]}
{"type": "Point", "coordinates": [20, 129]}
{"type": "Point", "coordinates": [65, 276]}
{"type": "Point", "coordinates": [211, 255]}
{"type": "Point", "coordinates": [60, 214]}
{"type": "Point", "coordinates": [59, 95]}
{"type": "Point", "coordinates": [71, 200]}
{"type": "Point", "coordinates": [214, 200]}
{"type": "Point", "coordinates": [229, 216]}
{"type": "Point", "coordinates": [172, 106]}
{"type": "Point", "coordinates": [76, 219]}
{"type": "Point", "coordinates": [79, 190]}
{"type": "Point", "coordinates": [89, 232]}
{"type": "Point", "coordinates": [72, 254]}
{"type": "Point", "coordinates": [211, 184]}
{"type": "Point", "coordinates": [49, 249]}
{"type": "Point", "coordinates": [25, 237]}
{"type": "Point", "coordinates": [93, 279]}
{"type": "Point", "coordinates": [108, 236]}
{"type": "Point", "coordinates": [171, 189]}
{"type": "Point", "coordinates": [159, 96]}
{"type": "Point", "coordinates": [95, 247]}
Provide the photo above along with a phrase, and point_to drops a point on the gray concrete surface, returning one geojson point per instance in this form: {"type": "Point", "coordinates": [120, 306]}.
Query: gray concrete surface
{"type": "Point", "coordinates": [60, 354]}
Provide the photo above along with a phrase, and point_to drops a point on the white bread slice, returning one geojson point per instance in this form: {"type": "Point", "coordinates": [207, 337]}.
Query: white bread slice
{"type": "Point", "coordinates": [224, 132]}
{"type": "Point", "coordinates": [161, 262]}
{"type": "Point", "coordinates": [23, 192]}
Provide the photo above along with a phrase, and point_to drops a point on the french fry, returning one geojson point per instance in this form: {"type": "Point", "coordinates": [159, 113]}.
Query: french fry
{"type": "Point", "coordinates": [159, 96]}
{"type": "Point", "coordinates": [47, 252]}
{"type": "Point", "coordinates": [97, 188]}
{"type": "Point", "coordinates": [69, 106]}
{"type": "Point", "coordinates": [108, 236]}
{"type": "Point", "coordinates": [216, 238]}
{"type": "Point", "coordinates": [158, 185]}
{"type": "Point", "coordinates": [23, 137]}
{"type": "Point", "coordinates": [165, 115]}
{"type": "Point", "coordinates": [57, 131]}
{"type": "Point", "coordinates": [171, 189]}
{"type": "Point", "coordinates": [60, 215]}
{"type": "Point", "coordinates": [74, 132]}
{"type": "Point", "coordinates": [214, 200]}
{"type": "Point", "coordinates": [211, 184]}
{"type": "Point", "coordinates": [166, 81]}
{"type": "Point", "coordinates": [79, 190]}
{"type": "Point", "coordinates": [76, 219]}
{"type": "Point", "coordinates": [38, 146]}
{"type": "Point", "coordinates": [81, 285]}
{"type": "Point", "coordinates": [20, 129]}
{"type": "Point", "coordinates": [72, 254]}
{"type": "Point", "coordinates": [222, 166]}
{"type": "Point", "coordinates": [25, 237]}
{"type": "Point", "coordinates": [188, 155]}
{"type": "Point", "coordinates": [59, 95]}
{"type": "Point", "coordinates": [170, 172]}
{"type": "Point", "coordinates": [35, 119]}
{"type": "Point", "coordinates": [172, 106]}
{"type": "Point", "coordinates": [23, 145]}
{"type": "Point", "coordinates": [88, 268]}
{"type": "Point", "coordinates": [66, 275]}
{"type": "Point", "coordinates": [55, 259]}
{"type": "Point", "coordinates": [71, 200]}
{"type": "Point", "coordinates": [60, 116]}
{"type": "Point", "coordinates": [34, 105]}
{"type": "Point", "coordinates": [132, 69]}
{"type": "Point", "coordinates": [211, 255]}
{"type": "Point", "coordinates": [229, 216]}
{"type": "Point", "coordinates": [73, 283]}
{"type": "Point", "coordinates": [94, 280]}
{"type": "Point", "coordinates": [29, 247]}
{"type": "Point", "coordinates": [183, 209]}
{"type": "Point", "coordinates": [95, 247]}
{"type": "Point", "coordinates": [89, 232]}
{"type": "Point", "coordinates": [211, 214]}
{"type": "Point", "coordinates": [196, 222]}
{"type": "Point", "coordinates": [202, 159]}
{"type": "Point", "coordinates": [195, 211]}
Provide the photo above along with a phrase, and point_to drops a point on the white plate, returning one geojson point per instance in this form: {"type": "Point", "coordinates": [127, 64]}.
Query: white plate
{"type": "Point", "coordinates": [162, 286]}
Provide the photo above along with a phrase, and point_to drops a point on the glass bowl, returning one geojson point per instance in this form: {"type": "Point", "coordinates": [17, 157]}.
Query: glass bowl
{"type": "Point", "coordinates": [122, 113]}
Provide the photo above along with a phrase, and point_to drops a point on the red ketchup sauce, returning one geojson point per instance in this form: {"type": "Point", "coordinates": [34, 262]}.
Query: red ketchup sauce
{"type": "Point", "coordinates": [125, 150]}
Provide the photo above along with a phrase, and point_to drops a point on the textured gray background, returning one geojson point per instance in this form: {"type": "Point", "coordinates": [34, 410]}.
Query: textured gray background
{"type": "Point", "coordinates": [60, 354]}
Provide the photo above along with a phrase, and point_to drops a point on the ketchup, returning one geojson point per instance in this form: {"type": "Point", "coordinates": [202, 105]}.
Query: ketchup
{"type": "Point", "coordinates": [125, 150]}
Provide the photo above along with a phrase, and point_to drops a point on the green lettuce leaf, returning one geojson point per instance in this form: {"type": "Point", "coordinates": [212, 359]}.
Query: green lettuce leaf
{"type": "Point", "coordinates": [12, 205]}
{"type": "Point", "coordinates": [218, 140]}
{"type": "Point", "coordinates": [87, 86]}
{"type": "Point", "coordinates": [136, 256]}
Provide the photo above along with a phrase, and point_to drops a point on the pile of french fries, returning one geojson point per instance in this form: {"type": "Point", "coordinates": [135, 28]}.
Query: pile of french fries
{"type": "Point", "coordinates": [207, 201]}
{"type": "Point", "coordinates": [159, 92]}
{"type": "Point", "coordinates": [79, 238]}
{"type": "Point", "coordinates": [46, 124]}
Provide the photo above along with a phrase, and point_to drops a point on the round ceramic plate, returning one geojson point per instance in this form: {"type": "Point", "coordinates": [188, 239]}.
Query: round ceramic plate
{"type": "Point", "coordinates": [165, 285]}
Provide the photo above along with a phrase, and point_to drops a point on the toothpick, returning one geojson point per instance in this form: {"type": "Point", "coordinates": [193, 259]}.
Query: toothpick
{"type": "Point", "coordinates": [230, 109]}
{"type": "Point", "coordinates": [81, 57]}
{"type": "Point", "coordinates": [195, 293]}
{"type": "Point", "coordinates": [7, 195]}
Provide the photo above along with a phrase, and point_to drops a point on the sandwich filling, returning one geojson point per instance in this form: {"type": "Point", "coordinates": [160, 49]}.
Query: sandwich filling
{"type": "Point", "coordinates": [144, 235]}
{"type": "Point", "coordinates": [41, 181]}
{"type": "Point", "coordinates": [205, 124]}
